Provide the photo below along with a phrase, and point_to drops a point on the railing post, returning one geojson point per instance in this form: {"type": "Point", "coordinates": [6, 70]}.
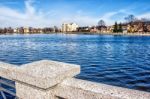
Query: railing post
{"type": "Point", "coordinates": [38, 80]}
{"type": "Point", "coordinates": [25, 91]}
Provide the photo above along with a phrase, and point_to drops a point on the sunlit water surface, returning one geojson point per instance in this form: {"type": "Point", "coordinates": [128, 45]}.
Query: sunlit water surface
{"type": "Point", "coordinates": [116, 60]}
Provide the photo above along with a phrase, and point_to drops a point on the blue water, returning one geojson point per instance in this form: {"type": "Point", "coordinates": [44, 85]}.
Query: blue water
{"type": "Point", "coordinates": [116, 60]}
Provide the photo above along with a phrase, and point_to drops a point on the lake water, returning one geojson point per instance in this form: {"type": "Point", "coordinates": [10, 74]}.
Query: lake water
{"type": "Point", "coordinates": [116, 60]}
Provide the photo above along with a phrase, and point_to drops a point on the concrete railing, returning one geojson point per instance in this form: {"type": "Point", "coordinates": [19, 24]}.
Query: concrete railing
{"type": "Point", "coordinates": [55, 80]}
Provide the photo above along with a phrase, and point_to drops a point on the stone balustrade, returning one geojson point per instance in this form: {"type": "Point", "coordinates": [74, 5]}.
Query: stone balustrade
{"type": "Point", "coordinates": [55, 80]}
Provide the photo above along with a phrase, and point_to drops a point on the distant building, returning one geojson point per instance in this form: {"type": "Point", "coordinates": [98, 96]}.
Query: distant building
{"type": "Point", "coordinates": [19, 30]}
{"type": "Point", "coordinates": [110, 29]}
{"type": "Point", "coordinates": [15, 30]}
{"type": "Point", "coordinates": [40, 30]}
{"type": "Point", "coordinates": [71, 27]}
{"type": "Point", "coordinates": [148, 28]}
{"type": "Point", "coordinates": [9, 30]}
{"type": "Point", "coordinates": [48, 30]}
{"type": "Point", "coordinates": [124, 28]}
{"type": "Point", "coordinates": [138, 26]}
{"type": "Point", "coordinates": [83, 29]}
{"type": "Point", "coordinates": [26, 30]}
{"type": "Point", "coordinates": [102, 29]}
{"type": "Point", "coordinates": [93, 29]}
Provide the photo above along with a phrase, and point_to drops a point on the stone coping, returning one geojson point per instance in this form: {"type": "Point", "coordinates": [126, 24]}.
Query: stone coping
{"type": "Point", "coordinates": [55, 78]}
{"type": "Point", "coordinates": [98, 91]}
{"type": "Point", "coordinates": [43, 74]}
{"type": "Point", "coordinates": [7, 69]}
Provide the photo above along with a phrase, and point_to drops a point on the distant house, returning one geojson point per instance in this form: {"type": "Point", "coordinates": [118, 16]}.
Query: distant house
{"type": "Point", "coordinates": [20, 30]}
{"type": "Point", "coordinates": [124, 28]}
{"type": "Point", "coordinates": [47, 30]}
{"type": "Point", "coordinates": [138, 26]}
{"type": "Point", "coordinates": [102, 29]}
{"type": "Point", "coordinates": [93, 29]}
{"type": "Point", "coordinates": [83, 29]}
{"type": "Point", "coordinates": [26, 30]}
{"type": "Point", "coordinates": [110, 29]}
{"type": "Point", "coordinates": [147, 26]}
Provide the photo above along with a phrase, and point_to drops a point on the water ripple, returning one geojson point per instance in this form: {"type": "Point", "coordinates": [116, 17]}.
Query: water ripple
{"type": "Point", "coordinates": [117, 60]}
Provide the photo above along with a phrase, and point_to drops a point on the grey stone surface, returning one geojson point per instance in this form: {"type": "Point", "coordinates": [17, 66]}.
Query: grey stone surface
{"type": "Point", "coordinates": [38, 80]}
{"type": "Point", "coordinates": [49, 79]}
{"type": "Point", "coordinates": [45, 74]}
{"type": "Point", "coordinates": [81, 89]}
{"type": "Point", "coordinates": [25, 91]}
{"type": "Point", "coordinates": [6, 70]}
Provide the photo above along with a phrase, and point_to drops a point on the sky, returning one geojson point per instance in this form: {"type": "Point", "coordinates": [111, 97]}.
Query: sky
{"type": "Point", "coordinates": [48, 13]}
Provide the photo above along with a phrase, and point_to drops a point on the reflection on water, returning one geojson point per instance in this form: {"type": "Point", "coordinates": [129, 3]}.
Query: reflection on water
{"type": "Point", "coordinates": [116, 60]}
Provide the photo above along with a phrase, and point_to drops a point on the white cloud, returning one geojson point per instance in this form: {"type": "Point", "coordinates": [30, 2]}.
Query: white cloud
{"type": "Point", "coordinates": [144, 15]}
{"type": "Point", "coordinates": [39, 18]}
{"type": "Point", "coordinates": [14, 18]}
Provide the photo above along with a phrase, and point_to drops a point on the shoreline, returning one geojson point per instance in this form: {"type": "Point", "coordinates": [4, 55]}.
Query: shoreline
{"type": "Point", "coordinates": [130, 34]}
{"type": "Point", "coordinates": [86, 33]}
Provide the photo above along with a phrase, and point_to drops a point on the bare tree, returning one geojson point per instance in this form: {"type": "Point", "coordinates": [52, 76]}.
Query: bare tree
{"type": "Point", "coordinates": [130, 18]}
{"type": "Point", "coordinates": [101, 23]}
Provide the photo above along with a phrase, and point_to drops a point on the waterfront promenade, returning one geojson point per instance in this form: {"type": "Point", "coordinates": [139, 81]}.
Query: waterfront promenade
{"type": "Point", "coordinates": [55, 80]}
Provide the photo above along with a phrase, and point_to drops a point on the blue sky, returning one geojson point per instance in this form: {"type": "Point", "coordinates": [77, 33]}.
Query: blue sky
{"type": "Point", "coordinates": [46, 13]}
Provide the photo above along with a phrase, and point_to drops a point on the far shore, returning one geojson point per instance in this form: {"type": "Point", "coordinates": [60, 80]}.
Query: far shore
{"type": "Point", "coordinates": [94, 33]}
{"type": "Point", "coordinates": [90, 33]}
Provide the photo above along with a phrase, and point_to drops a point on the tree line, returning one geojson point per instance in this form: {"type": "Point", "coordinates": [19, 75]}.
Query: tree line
{"type": "Point", "coordinates": [129, 20]}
